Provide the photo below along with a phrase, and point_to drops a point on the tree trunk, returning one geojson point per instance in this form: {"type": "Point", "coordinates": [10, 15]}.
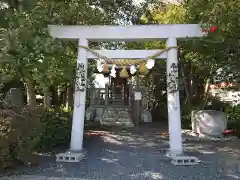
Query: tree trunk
{"type": "Point", "coordinates": [63, 95]}
{"type": "Point", "coordinates": [207, 87]}
{"type": "Point", "coordinates": [69, 102]}
{"type": "Point", "coordinates": [185, 82]}
{"type": "Point", "coordinates": [46, 98]}
{"type": "Point", "coordinates": [190, 79]}
{"type": "Point", "coordinates": [54, 93]}
{"type": "Point", "coordinates": [31, 96]}
{"type": "Point", "coordinates": [206, 92]}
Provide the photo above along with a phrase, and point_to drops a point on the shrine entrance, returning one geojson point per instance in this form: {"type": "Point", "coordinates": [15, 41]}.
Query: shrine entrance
{"type": "Point", "coordinates": [119, 90]}
{"type": "Point", "coordinates": [84, 34]}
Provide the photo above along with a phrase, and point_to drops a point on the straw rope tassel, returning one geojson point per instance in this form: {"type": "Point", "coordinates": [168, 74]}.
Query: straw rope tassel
{"type": "Point", "coordinates": [105, 68]}
{"type": "Point", "coordinates": [143, 69]}
{"type": "Point", "coordinates": [124, 73]}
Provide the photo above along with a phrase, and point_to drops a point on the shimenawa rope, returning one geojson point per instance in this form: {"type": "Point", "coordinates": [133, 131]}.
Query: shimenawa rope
{"type": "Point", "coordinates": [141, 60]}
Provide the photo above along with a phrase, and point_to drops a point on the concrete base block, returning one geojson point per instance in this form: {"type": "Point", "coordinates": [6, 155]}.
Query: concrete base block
{"type": "Point", "coordinates": [71, 156]}
{"type": "Point", "coordinates": [180, 159]}
{"type": "Point", "coordinates": [184, 160]}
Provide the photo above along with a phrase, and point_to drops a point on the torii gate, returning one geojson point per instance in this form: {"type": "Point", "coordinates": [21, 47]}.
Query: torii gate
{"type": "Point", "coordinates": [170, 32]}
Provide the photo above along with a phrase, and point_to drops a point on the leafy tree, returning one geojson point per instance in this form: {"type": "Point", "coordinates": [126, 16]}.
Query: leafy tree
{"type": "Point", "coordinates": [29, 53]}
{"type": "Point", "coordinates": [199, 58]}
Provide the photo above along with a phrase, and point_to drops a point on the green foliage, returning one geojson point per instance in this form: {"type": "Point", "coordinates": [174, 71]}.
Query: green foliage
{"type": "Point", "coordinates": [233, 116]}
{"type": "Point", "coordinates": [215, 103]}
{"type": "Point", "coordinates": [30, 54]}
{"type": "Point", "coordinates": [24, 131]}
{"type": "Point", "coordinates": [200, 58]}
{"type": "Point", "coordinates": [57, 129]}
{"type": "Point", "coordinates": [19, 133]}
{"type": "Point", "coordinates": [221, 48]}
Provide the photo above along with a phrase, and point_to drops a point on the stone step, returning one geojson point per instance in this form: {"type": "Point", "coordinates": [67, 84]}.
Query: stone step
{"type": "Point", "coordinates": [124, 116]}
{"type": "Point", "coordinates": [117, 112]}
{"type": "Point", "coordinates": [116, 109]}
{"type": "Point", "coordinates": [122, 109]}
{"type": "Point", "coordinates": [125, 119]}
{"type": "Point", "coordinates": [118, 95]}
{"type": "Point", "coordinates": [128, 124]}
{"type": "Point", "coordinates": [107, 119]}
{"type": "Point", "coordinates": [116, 115]}
{"type": "Point", "coordinates": [117, 119]}
{"type": "Point", "coordinates": [110, 110]}
{"type": "Point", "coordinates": [117, 99]}
{"type": "Point", "coordinates": [123, 113]}
{"type": "Point", "coordinates": [112, 116]}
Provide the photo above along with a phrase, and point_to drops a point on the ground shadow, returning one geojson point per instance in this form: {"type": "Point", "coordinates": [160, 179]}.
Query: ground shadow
{"type": "Point", "coordinates": [134, 154]}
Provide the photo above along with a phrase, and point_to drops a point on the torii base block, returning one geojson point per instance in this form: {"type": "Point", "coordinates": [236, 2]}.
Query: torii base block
{"type": "Point", "coordinates": [182, 159]}
{"type": "Point", "coordinates": [71, 156]}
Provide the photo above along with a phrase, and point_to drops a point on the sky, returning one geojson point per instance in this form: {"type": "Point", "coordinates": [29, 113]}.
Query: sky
{"type": "Point", "coordinates": [137, 2]}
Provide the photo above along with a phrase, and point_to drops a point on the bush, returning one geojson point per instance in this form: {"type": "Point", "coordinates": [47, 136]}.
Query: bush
{"type": "Point", "coordinates": [23, 131]}
{"type": "Point", "coordinates": [186, 116]}
{"type": "Point", "coordinates": [233, 117]}
{"type": "Point", "coordinates": [215, 103]}
{"type": "Point", "coordinates": [57, 129]}
{"type": "Point", "coordinates": [19, 133]}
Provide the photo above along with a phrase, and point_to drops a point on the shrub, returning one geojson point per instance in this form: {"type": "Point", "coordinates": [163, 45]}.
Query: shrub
{"type": "Point", "coordinates": [233, 117]}
{"type": "Point", "coordinates": [23, 131]}
{"type": "Point", "coordinates": [56, 129]}
{"type": "Point", "coordinates": [186, 116]}
{"type": "Point", "coordinates": [214, 103]}
{"type": "Point", "coordinates": [19, 133]}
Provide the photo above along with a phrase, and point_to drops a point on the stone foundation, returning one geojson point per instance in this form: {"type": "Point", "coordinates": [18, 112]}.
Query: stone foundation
{"type": "Point", "coordinates": [71, 156]}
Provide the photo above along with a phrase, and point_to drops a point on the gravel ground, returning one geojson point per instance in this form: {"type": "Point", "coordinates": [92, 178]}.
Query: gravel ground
{"type": "Point", "coordinates": [127, 155]}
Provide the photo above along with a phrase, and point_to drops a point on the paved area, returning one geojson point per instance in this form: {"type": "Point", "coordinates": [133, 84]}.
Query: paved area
{"type": "Point", "coordinates": [127, 155]}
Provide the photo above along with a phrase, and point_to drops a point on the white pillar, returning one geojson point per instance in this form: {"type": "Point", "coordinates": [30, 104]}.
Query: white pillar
{"type": "Point", "coordinates": [79, 101]}
{"type": "Point", "coordinates": [174, 116]}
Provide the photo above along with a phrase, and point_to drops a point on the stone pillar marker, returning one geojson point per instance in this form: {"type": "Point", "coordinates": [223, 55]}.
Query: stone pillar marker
{"type": "Point", "coordinates": [174, 117]}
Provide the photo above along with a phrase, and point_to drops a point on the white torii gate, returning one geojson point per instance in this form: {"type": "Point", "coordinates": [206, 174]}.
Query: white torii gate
{"type": "Point", "coordinates": [171, 32]}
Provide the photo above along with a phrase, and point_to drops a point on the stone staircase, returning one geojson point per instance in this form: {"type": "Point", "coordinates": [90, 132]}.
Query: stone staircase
{"type": "Point", "coordinates": [117, 117]}
{"type": "Point", "coordinates": [117, 99]}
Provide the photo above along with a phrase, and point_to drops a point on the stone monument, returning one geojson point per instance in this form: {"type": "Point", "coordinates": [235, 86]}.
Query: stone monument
{"type": "Point", "coordinates": [208, 122]}
{"type": "Point", "coordinates": [14, 97]}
